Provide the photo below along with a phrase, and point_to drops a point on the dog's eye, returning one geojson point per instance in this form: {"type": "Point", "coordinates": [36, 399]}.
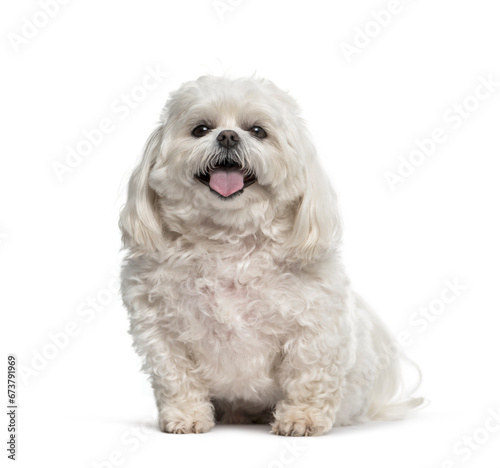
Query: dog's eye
{"type": "Point", "coordinates": [200, 130]}
{"type": "Point", "coordinates": [259, 132]}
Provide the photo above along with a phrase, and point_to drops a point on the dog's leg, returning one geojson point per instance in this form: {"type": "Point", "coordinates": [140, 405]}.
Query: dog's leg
{"type": "Point", "coordinates": [182, 398]}
{"type": "Point", "coordinates": [183, 402]}
{"type": "Point", "coordinates": [312, 375]}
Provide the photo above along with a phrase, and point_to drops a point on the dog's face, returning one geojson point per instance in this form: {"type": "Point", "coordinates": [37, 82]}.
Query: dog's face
{"type": "Point", "coordinates": [227, 152]}
{"type": "Point", "coordinates": [229, 143]}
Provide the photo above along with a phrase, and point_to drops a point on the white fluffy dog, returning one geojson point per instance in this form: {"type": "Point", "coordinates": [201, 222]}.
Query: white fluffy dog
{"type": "Point", "coordinates": [237, 297]}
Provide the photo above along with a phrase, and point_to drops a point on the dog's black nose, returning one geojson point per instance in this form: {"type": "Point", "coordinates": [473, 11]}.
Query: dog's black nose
{"type": "Point", "coordinates": [228, 138]}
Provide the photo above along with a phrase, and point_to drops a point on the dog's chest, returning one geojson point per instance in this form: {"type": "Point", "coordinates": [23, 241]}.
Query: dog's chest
{"type": "Point", "coordinates": [231, 297]}
{"type": "Point", "coordinates": [233, 293]}
{"type": "Point", "coordinates": [233, 322]}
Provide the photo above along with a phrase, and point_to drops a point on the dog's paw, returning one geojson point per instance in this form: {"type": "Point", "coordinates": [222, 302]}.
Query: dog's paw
{"type": "Point", "coordinates": [191, 421]}
{"type": "Point", "coordinates": [186, 426]}
{"type": "Point", "coordinates": [291, 421]}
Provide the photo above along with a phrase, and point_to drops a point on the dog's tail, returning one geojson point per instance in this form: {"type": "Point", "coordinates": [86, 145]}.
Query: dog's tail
{"type": "Point", "coordinates": [391, 398]}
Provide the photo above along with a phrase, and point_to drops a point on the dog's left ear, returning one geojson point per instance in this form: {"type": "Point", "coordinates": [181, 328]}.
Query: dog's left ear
{"type": "Point", "coordinates": [317, 227]}
{"type": "Point", "coordinates": [139, 222]}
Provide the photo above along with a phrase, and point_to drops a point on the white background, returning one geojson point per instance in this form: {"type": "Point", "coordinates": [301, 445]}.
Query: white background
{"type": "Point", "coordinates": [85, 402]}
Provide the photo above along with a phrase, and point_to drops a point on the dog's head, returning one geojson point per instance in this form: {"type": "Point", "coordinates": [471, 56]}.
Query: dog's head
{"type": "Point", "coordinates": [234, 156]}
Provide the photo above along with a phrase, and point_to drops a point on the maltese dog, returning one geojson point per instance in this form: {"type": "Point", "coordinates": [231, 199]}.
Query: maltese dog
{"type": "Point", "coordinates": [238, 300]}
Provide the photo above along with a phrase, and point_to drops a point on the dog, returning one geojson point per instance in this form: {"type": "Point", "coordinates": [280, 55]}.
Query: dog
{"type": "Point", "coordinates": [238, 300]}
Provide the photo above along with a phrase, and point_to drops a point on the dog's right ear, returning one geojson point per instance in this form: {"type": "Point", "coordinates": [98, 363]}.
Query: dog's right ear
{"type": "Point", "coordinates": [139, 221]}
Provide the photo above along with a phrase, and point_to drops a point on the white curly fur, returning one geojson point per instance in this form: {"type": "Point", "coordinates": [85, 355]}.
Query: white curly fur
{"type": "Point", "coordinates": [241, 307]}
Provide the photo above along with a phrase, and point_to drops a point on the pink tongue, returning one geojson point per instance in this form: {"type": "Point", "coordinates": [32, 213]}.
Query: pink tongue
{"type": "Point", "coordinates": [226, 181]}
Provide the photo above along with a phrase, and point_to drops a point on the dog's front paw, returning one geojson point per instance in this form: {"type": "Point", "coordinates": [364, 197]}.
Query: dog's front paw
{"type": "Point", "coordinates": [295, 421]}
{"type": "Point", "coordinates": [190, 420]}
{"type": "Point", "coordinates": [186, 426]}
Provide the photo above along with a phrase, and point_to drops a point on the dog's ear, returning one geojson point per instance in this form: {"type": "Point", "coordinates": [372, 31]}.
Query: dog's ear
{"type": "Point", "coordinates": [317, 227]}
{"type": "Point", "coordinates": [139, 221]}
